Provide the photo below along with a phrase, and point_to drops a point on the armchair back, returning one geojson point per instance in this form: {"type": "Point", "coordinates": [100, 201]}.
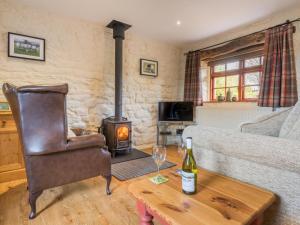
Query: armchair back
{"type": "Point", "coordinates": [40, 115]}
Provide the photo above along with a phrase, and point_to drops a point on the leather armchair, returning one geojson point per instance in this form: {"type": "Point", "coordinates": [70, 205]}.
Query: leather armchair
{"type": "Point", "coordinates": [51, 158]}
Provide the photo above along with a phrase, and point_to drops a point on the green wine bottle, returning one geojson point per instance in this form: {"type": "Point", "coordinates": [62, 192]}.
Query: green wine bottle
{"type": "Point", "coordinates": [189, 170]}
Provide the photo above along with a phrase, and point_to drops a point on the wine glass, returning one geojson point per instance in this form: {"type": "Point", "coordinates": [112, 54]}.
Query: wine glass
{"type": "Point", "coordinates": [159, 154]}
{"type": "Point", "coordinates": [181, 149]}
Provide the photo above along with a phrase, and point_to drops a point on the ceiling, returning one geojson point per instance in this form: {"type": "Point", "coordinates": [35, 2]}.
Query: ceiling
{"type": "Point", "coordinates": [157, 18]}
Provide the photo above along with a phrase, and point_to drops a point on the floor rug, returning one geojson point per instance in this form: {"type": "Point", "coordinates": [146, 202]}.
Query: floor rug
{"type": "Point", "coordinates": [133, 154]}
{"type": "Point", "coordinates": [136, 168]}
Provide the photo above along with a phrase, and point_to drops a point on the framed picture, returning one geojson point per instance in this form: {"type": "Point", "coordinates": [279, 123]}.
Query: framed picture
{"type": "Point", "coordinates": [26, 47]}
{"type": "Point", "coordinates": [4, 106]}
{"type": "Point", "coordinates": [148, 67]}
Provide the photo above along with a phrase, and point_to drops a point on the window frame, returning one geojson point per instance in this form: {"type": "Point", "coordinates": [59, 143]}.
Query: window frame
{"type": "Point", "coordinates": [241, 71]}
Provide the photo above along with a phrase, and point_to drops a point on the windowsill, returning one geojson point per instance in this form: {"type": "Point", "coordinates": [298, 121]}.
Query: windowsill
{"type": "Point", "coordinates": [228, 105]}
{"type": "Point", "coordinates": [248, 101]}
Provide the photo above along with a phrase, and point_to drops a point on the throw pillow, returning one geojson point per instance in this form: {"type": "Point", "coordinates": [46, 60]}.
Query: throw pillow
{"type": "Point", "coordinates": [294, 134]}
{"type": "Point", "coordinates": [290, 121]}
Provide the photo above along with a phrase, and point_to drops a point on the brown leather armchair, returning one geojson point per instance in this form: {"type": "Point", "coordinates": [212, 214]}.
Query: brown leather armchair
{"type": "Point", "coordinates": [51, 159]}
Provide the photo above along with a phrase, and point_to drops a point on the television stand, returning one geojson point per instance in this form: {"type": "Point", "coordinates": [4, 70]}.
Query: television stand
{"type": "Point", "coordinates": [170, 128]}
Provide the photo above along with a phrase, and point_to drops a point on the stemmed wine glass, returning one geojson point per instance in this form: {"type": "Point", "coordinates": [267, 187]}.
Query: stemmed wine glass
{"type": "Point", "coordinates": [159, 154]}
{"type": "Point", "coordinates": [181, 149]}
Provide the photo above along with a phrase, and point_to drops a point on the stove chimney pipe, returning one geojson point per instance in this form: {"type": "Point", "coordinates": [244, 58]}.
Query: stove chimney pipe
{"type": "Point", "coordinates": [119, 29]}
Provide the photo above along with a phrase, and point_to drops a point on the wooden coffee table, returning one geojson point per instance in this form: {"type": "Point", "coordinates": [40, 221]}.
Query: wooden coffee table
{"type": "Point", "coordinates": [220, 201]}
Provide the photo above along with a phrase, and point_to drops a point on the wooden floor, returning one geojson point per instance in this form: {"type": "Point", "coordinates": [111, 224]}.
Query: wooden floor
{"type": "Point", "coordinates": [81, 203]}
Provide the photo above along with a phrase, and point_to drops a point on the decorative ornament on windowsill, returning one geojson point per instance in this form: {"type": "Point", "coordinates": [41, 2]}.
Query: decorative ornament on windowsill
{"type": "Point", "coordinates": [220, 98]}
{"type": "Point", "coordinates": [228, 95]}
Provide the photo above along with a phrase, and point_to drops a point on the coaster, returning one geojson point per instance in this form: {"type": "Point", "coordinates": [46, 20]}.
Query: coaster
{"type": "Point", "coordinates": [179, 171]}
{"type": "Point", "coordinates": [158, 179]}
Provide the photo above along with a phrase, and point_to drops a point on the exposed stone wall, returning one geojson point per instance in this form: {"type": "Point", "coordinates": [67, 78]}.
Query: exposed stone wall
{"type": "Point", "coordinates": [81, 54]}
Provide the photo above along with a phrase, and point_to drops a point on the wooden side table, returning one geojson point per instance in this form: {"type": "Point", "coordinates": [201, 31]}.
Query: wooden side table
{"type": "Point", "coordinates": [220, 201]}
{"type": "Point", "coordinates": [11, 156]}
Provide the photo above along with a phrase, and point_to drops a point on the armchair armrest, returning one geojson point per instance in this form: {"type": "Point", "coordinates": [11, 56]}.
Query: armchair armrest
{"type": "Point", "coordinates": [85, 141]}
{"type": "Point", "coordinates": [269, 125]}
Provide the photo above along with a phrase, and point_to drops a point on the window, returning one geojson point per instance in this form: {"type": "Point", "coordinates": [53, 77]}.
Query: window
{"type": "Point", "coordinates": [240, 76]}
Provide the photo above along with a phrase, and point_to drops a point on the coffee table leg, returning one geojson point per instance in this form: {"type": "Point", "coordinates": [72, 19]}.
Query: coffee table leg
{"type": "Point", "coordinates": [258, 221]}
{"type": "Point", "coordinates": [145, 216]}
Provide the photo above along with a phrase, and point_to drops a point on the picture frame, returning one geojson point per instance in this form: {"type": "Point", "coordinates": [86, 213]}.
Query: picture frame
{"type": "Point", "coordinates": [4, 106]}
{"type": "Point", "coordinates": [26, 47]}
{"type": "Point", "coordinates": [149, 67]}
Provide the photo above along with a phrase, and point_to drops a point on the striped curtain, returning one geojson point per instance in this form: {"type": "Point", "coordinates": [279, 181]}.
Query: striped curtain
{"type": "Point", "coordinates": [278, 87]}
{"type": "Point", "coordinates": [192, 81]}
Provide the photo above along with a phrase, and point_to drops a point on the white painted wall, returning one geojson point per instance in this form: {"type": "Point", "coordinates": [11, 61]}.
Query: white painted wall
{"type": "Point", "coordinates": [229, 115]}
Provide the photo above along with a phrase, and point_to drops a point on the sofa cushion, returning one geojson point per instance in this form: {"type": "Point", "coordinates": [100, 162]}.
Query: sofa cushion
{"type": "Point", "coordinates": [291, 124]}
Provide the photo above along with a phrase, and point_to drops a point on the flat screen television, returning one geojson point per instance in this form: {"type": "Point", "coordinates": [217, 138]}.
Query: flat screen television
{"type": "Point", "coordinates": [175, 111]}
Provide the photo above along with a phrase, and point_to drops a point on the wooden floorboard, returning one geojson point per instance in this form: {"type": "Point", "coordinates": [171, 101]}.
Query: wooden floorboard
{"type": "Point", "coordinates": [81, 203]}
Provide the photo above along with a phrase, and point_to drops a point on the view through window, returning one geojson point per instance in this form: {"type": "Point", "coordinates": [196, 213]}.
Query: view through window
{"type": "Point", "coordinates": [241, 76]}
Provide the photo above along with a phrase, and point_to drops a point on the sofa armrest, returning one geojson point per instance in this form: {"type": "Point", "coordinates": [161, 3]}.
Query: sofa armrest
{"type": "Point", "coordinates": [269, 125]}
{"type": "Point", "coordinates": [270, 151]}
{"type": "Point", "coordinates": [85, 141]}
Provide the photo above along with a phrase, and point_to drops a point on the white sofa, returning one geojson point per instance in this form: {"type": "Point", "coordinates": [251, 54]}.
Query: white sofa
{"type": "Point", "coordinates": [266, 153]}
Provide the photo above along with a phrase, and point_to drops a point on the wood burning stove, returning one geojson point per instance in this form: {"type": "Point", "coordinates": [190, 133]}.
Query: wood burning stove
{"type": "Point", "coordinates": [117, 129]}
{"type": "Point", "coordinates": [118, 134]}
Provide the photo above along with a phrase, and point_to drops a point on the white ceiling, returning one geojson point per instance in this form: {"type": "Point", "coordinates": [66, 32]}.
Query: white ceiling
{"type": "Point", "coordinates": [157, 18]}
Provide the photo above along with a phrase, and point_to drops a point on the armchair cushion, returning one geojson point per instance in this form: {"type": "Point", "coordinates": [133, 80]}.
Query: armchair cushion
{"type": "Point", "coordinates": [85, 141]}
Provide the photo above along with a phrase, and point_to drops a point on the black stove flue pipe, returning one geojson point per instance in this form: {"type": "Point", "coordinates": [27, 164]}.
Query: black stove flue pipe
{"type": "Point", "coordinates": [119, 29]}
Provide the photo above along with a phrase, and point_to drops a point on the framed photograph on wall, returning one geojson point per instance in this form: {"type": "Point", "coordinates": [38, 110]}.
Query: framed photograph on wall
{"type": "Point", "coordinates": [148, 67]}
{"type": "Point", "coordinates": [26, 47]}
{"type": "Point", "coordinates": [4, 106]}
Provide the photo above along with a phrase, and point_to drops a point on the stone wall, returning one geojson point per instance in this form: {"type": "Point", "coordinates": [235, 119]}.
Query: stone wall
{"type": "Point", "coordinates": [81, 53]}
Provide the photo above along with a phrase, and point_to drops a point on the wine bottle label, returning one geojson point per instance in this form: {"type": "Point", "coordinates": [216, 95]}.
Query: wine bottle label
{"type": "Point", "coordinates": [188, 181]}
{"type": "Point", "coordinates": [189, 143]}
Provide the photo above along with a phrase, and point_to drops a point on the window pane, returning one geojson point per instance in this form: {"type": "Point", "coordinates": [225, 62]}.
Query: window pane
{"type": "Point", "coordinates": [252, 78]}
{"type": "Point", "coordinates": [232, 65]}
{"type": "Point", "coordinates": [232, 81]}
{"type": "Point", "coordinates": [219, 82]}
{"type": "Point", "coordinates": [219, 68]}
{"type": "Point", "coordinates": [251, 92]}
{"type": "Point", "coordinates": [218, 92]}
{"type": "Point", "coordinates": [252, 62]}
